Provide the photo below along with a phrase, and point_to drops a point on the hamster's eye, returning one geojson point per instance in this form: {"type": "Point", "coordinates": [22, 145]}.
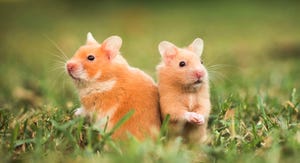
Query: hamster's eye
{"type": "Point", "coordinates": [202, 62]}
{"type": "Point", "coordinates": [91, 57]}
{"type": "Point", "coordinates": [182, 64]}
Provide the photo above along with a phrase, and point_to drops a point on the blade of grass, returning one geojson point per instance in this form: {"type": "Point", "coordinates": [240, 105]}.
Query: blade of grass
{"type": "Point", "coordinates": [164, 127]}
{"type": "Point", "coordinates": [121, 121]}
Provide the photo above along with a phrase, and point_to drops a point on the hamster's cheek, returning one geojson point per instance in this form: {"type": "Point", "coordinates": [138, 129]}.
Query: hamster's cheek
{"type": "Point", "coordinates": [94, 75]}
{"type": "Point", "coordinates": [185, 76]}
{"type": "Point", "coordinates": [81, 73]}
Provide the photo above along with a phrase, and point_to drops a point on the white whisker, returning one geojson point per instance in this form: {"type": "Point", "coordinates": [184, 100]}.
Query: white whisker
{"type": "Point", "coordinates": [57, 62]}
{"type": "Point", "coordinates": [57, 65]}
{"type": "Point", "coordinates": [218, 72]}
{"type": "Point", "coordinates": [58, 57]}
{"type": "Point", "coordinates": [58, 48]}
{"type": "Point", "coordinates": [220, 66]}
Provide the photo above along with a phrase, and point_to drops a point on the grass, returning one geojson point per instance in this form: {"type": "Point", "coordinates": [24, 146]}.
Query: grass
{"type": "Point", "coordinates": [251, 50]}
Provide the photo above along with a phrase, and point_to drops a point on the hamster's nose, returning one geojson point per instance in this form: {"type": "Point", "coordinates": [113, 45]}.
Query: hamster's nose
{"type": "Point", "coordinates": [199, 74]}
{"type": "Point", "coordinates": [70, 66]}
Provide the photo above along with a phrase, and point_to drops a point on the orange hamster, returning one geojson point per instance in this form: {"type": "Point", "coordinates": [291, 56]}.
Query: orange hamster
{"type": "Point", "coordinates": [184, 90]}
{"type": "Point", "coordinates": [109, 87]}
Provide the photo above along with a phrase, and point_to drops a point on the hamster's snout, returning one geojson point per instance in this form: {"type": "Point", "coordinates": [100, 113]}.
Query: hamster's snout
{"type": "Point", "coordinates": [70, 66]}
{"type": "Point", "coordinates": [199, 74]}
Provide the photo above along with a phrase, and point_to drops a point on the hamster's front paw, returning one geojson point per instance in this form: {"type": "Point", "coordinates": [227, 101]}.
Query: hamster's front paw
{"type": "Point", "coordinates": [194, 118]}
{"type": "Point", "coordinates": [79, 112]}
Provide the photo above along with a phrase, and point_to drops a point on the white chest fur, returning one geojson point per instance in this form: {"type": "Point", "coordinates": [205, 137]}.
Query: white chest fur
{"type": "Point", "coordinates": [191, 101]}
{"type": "Point", "coordinates": [97, 87]}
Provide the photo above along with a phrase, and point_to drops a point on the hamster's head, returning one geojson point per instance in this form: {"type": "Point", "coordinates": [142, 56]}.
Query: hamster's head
{"type": "Point", "coordinates": [183, 66]}
{"type": "Point", "coordinates": [93, 61]}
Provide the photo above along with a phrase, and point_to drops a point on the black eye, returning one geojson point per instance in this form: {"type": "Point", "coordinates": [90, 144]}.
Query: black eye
{"type": "Point", "coordinates": [91, 57]}
{"type": "Point", "coordinates": [182, 64]}
{"type": "Point", "coordinates": [202, 62]}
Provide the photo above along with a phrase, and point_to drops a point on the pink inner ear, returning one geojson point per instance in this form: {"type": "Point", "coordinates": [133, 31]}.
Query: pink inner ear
{"type": "Point", "coordinates": [111, 46]}
{"type": "Point", "coordinates": [190, 47]}
{"type": "Point", "coordinates": [168, 60]}
{"type": "Point", "coordinates": [169, 55]}
{"type": "Point", "coordinates": [171, 52]}
{"type": "Point", "coordinates": [196, 46]}
{"type": "Point", "coordinates": [108, 50]}
{"type": "Point", "coordinates": [111, 54]}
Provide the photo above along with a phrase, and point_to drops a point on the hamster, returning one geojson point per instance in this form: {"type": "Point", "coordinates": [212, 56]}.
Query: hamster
{"type": "Point", "coordinates": [183, 86]}
{"type": "Point", "coordinates": [109, 87]}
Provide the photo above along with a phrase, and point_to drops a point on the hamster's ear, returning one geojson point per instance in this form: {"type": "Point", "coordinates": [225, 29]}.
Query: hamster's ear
{"type": "Point", "coordinates": [197, 46]}
{"type": "Point", "coordinates": [167, 50]}
{"type": "Point", "coordinates": [112, 46]}
{"type": "Point", "coordinates": [90, 39]}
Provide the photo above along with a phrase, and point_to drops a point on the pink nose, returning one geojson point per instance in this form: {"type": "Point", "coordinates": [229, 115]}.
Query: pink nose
{"type": "Point", "coordinates": [199, 74]}
{"type": "Point", "coordinates": [71, 66]}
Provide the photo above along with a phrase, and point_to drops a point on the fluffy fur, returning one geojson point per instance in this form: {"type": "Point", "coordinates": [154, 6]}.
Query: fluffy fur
{"type": "Point", "coordinates": [184, 90]}
{"type": "Point", "coordinates": [109, 87]}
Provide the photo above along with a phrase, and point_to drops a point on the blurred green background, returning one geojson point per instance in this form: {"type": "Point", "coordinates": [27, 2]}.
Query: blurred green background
{"type": "Point", "coordinates": [250, 46]}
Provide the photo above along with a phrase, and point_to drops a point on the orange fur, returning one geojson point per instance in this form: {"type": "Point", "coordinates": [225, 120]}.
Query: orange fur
{"type": "Point", "coordinates": [180, 96]}
{"type": "Point", "coordinates": [108, 86]}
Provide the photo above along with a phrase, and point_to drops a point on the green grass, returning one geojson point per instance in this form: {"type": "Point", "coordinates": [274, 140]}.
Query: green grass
{"type": "Point", "coordinates": [252, 50]}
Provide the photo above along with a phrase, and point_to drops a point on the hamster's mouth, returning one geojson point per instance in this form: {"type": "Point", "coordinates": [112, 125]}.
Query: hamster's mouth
{"type": "Point", "coordinates": [72, 76]}
{"type": "Point", "coordinates": [198, 82]}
